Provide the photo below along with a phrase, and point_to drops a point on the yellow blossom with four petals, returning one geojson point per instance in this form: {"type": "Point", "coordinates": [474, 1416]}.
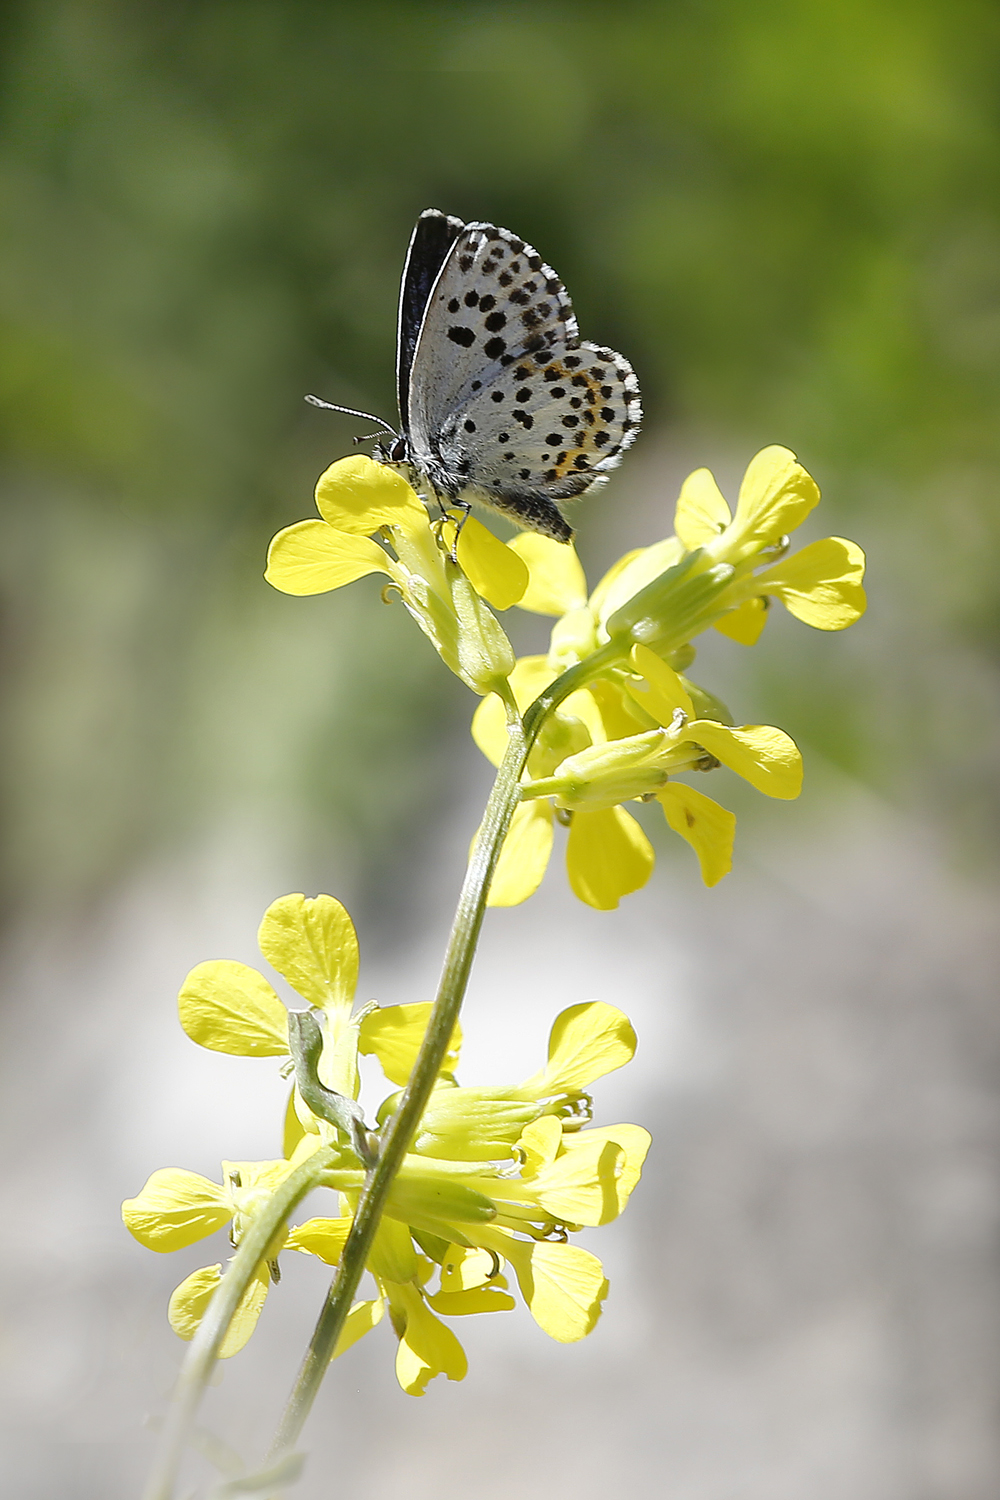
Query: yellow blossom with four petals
{"type": "Point", "coordinates": [360, 500]}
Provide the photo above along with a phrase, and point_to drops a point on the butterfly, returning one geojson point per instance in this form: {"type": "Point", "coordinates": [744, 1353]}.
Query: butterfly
{"type": "Point", "coordinates": [500, 403]}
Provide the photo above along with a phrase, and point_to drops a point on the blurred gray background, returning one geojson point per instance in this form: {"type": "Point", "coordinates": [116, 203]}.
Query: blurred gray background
{"type": "Point", "coordinates": [788, 217]}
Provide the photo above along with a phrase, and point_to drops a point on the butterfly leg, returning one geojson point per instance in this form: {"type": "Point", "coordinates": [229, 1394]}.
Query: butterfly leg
{"type": "Point", "coordinates": [447, 510]}
{"type": "Point", "coordinates": [466, 509]}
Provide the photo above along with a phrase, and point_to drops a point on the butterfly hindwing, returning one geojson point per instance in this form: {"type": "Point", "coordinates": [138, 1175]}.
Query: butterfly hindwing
{"type": "Point", "coordinates": [550, 426]}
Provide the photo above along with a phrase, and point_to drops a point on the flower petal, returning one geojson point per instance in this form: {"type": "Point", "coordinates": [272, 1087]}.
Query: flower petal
{"type": "Point", "coordinates": [821, 585]}
{"type": "Point", "coordinates": [539, 1144]}
{"type": "Point", "coordinates": [358, 495]}
{"type": "Point", "coordinates": [744, 623]}
{"type": "Point", "coordinates": [531, 676]}
{"type": "Point", "coordinates": [706, 826]}
{"type": "Point", "coordinates": [634, 1143]}
{"type": "Point", "coordinates": [581, 1187]}
{"type": "Point", "coordinates": [294, 1128]}
{"type": "Point", "coordinates": [662, 693]}
{"type": "Point", "coordinates": [776, 496]}
{"type": "Point", "coordinates": [176, 1208]}
{"type": "Point", "coordinates": [394, 1033]}
{"type": "Point", "coordinates": [766, 757]}
{"type": "Point", "coordinates": [361, 1319]}
{"type": "Point", "coordinates": [607, 857]}
{"type": "Point", "coordinates": [228, 1007]}
{"type": "Point", "coordinates": [312, 558]}
{"type": "Point", "coordinates": [312, 943]}
{"type": "Point", "coordinates": [426, 1347]}
{"type": "Point", "coordinates": [189, 1301]}
{"type": "Point", "coordinates": [464, 1268]}
{"type": "Point", "coordinates": [489, 728]}
{"type": "Point", "coordinates": [608, 712]}
{"type": "Point", "coordinates": [392, 1254]}
{"type": "Point", "coordinates": [491, 566]}
{"type": "Point", "coordinates": [258, 1177]}
{"type": "Point", "coordinates": [524, 856]}
{"type": "Point", "coordinates": [557, 582]}
{"type": "Point", "coordinates": [702, 513]}
{"type": "Point", "coordinates": [324, 1238]}
{"type": "Point", "coordinates": [563, 1285]}
{"type": "Point", "coordinates": [480, 1299]}
{"type": "Point", "coordinates": [586, 1042]}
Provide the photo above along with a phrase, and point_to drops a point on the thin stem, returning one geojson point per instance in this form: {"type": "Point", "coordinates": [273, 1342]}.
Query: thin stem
{"type": "Point", "coordinates": [199, 1361]}
{"type": "Point", "coordinates": [451, 992]}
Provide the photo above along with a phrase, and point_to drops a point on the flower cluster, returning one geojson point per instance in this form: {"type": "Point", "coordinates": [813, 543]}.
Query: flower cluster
{"type": "Point", "coordinates": [495, 1177]}
{"type": "Point", "coordinates": [628, 733]}
{"type": "Point", "coordinates": [636, 722]}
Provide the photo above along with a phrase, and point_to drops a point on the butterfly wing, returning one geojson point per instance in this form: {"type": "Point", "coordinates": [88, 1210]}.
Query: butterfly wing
{"type": "Point", "coordinates": [547, 429]}
{"type": "Point", "coordinates": [433, 237]}
{"type": "Point", "coordinates": [506, 407]}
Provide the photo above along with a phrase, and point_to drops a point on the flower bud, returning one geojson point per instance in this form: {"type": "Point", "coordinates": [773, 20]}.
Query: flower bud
{"type": "Point", "coordinates": [604, 775]}
{"type": "Point", "coordinates": [485, 655]}
{"type": "Point", "coordinates": [473, 1124]}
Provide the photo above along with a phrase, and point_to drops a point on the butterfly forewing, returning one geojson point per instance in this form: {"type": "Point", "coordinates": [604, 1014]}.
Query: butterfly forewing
{"type": "Point", "coordinates": [494, 300]}
{"type": "Point", "coordinates": [432, 238]}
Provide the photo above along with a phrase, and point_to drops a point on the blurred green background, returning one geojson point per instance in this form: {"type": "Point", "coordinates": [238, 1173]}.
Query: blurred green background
{"type": "Point", "coordinates": [786, 214]}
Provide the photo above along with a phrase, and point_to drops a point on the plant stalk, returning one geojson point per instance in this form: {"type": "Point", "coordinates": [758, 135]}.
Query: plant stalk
{"type": "Point", "coordinates": [458, 959]}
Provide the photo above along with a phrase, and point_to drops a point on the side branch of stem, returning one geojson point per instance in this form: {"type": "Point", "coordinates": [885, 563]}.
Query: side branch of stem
{"type": "Point", "coordinates": [199, 1361]}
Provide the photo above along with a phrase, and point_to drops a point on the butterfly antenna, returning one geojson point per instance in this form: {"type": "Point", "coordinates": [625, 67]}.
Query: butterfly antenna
{"type": "Point", "coordinates": [351, 411]}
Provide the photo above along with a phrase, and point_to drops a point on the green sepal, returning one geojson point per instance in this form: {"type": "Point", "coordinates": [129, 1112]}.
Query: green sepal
{"type": "Point", "coordinates": [675, 606]}
{"type": "Point", "coordinates": [305, 1040]}
{"type": "Point", "coordinates": [435, 1248]}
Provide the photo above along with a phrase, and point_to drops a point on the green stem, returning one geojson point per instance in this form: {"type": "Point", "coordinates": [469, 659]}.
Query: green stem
{"type": "Point", "coordinates": [200, 1359]}
{"type": "Point", "coordinates": [451, 991]}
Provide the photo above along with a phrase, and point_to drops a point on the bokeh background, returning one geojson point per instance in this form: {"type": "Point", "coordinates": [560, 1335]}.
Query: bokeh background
{"type": "Point", "coordinates": [787, 215]}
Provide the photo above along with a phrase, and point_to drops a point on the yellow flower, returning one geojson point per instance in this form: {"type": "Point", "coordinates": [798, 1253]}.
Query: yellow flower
{"type": "Point", "coordinates": [821, 585]}
{"type": "Point", "coordinates": [360, 500]}
{"type": "Point", "coordinates": [176, 1208]}
{"type": "Point", "coordinates": [229, 1007]}
{"type": "Point", "coordinates": [461, 1220]}
{"type": "Point", "coordinates": [480, 1124]}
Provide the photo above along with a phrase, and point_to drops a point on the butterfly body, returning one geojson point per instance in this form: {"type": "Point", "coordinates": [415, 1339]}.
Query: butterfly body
{"type": "Point", "coordinates": [500, 402]}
